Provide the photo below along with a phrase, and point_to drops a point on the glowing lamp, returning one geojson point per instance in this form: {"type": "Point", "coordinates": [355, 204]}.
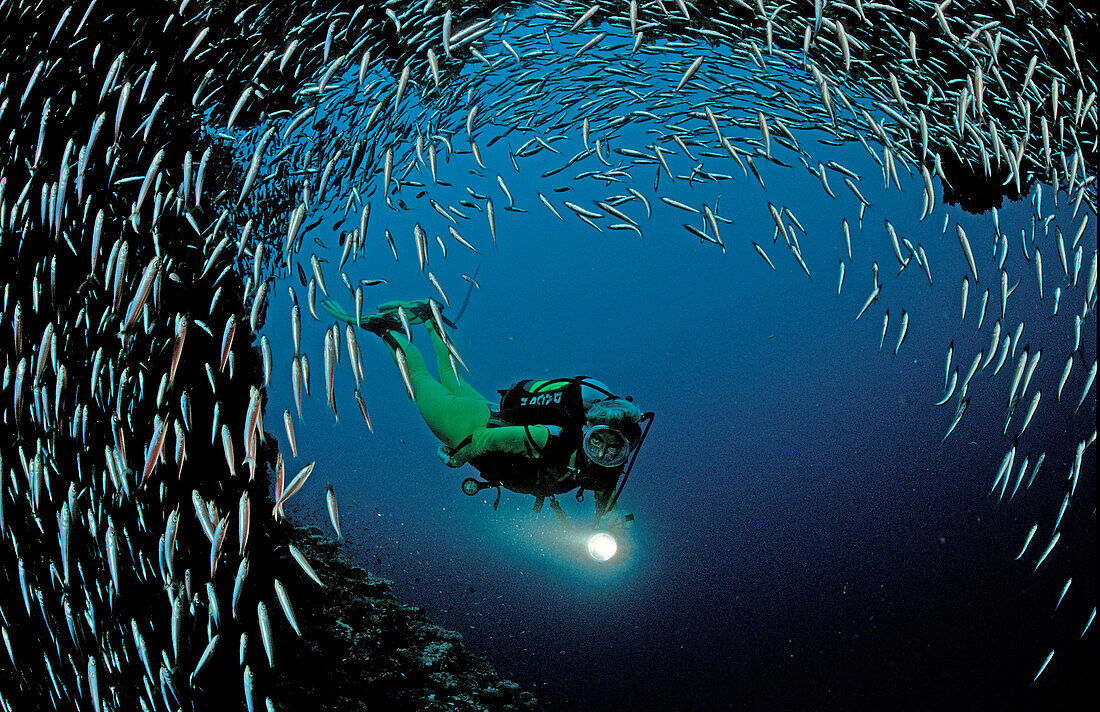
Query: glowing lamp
{"type": "Point", "coordinates": [602, 546]}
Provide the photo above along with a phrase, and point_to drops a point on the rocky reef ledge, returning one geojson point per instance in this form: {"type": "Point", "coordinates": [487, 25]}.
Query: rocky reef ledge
{"type": "Point", "coordinates": [362, 650]}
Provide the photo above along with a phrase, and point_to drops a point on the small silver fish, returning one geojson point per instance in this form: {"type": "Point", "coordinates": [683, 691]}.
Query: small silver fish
{"type": "Point", "coordinates": [333, 512]}
{"type": "Point", "coordinates": [288, 609]}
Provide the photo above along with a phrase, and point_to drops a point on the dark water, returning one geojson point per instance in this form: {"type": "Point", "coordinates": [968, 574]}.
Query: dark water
{"type": "Point", "coordinates": [803, 538]}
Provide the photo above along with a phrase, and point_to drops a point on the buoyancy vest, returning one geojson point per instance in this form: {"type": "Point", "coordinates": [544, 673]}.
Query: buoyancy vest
{"type": "Point", "coordinates": [557, 402]}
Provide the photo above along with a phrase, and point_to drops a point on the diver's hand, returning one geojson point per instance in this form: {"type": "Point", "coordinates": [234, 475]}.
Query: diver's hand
{"type": "Point", "coordinates": [618, 519]}
{"type": "Point", "coordinates": [444, 454]}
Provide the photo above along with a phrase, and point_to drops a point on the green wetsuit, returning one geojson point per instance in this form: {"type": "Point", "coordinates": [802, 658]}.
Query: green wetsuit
{"type": "Point", "coordinates": [460, 416]}
{"type": "Point", "coordinates": [454, 410]}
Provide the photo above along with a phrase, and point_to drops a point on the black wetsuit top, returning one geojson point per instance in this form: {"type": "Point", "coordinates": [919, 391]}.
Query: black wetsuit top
{"type": "Point", "coordinates": [558, 466]}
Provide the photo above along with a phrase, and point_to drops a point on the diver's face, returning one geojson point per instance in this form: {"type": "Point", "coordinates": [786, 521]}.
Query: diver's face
{"type": "Point", "coordinates": [605, 445]}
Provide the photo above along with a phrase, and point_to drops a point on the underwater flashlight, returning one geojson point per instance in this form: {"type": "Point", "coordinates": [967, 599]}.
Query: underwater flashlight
{"type": "Point", "coordinates": [602, 546]}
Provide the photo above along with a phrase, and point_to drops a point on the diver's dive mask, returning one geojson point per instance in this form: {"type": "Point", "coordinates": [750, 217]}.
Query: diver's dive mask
{"type": "Point", "coordinates": [604, 446]}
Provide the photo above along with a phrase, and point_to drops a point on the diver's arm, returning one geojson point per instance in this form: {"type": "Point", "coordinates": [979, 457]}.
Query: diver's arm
{"type": "Point", "coordinates": [528, 441]}
{"type": "Point", "coordinates": [614, 518]}
{"type": "Point", "coordinates": [603, 497]}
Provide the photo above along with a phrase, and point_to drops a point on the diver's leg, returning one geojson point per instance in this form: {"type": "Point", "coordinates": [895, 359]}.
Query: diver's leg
{"type": "Point", "coordinates": [447, 375]}
{"type": "Point", "coordinates": [416, 310]}
{"type": "Point", "coordinates": [450, 417]}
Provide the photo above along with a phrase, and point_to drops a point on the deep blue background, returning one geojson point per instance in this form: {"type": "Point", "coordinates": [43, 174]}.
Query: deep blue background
{"type": "Point", "coordinates": [803, 538]}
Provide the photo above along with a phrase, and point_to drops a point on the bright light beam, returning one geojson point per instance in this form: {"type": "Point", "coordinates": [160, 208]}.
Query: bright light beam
{"type": "Point", "coordinates": [602, 546]}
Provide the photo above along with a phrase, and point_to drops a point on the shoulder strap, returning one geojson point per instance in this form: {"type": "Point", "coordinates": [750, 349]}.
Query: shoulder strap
{"type": "Point", "coordinates": [495, 423]}
{"type": "Point", "coordinates": [532, 442]}
{"type": "Point", "coordinates": [465, 441]}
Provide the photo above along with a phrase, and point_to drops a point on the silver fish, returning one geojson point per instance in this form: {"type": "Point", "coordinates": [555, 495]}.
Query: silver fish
{"type": "Point", "coordinates": [238, 585]}
{"type": "Point", "coordinates": [288, 609]}
{"type": "Point", "coordinates": [333, 512]}
{"type": "Point", "coordinates": [294, 486]}
{"type": "Point", "coordinates": [244, 521]}
{"type": "Point", "coordinates": [904, 330]}
{"type": "Point", "coordinates": [299, 557]}
{"type": "Point", "coordinates": [289, 425]}
{"type": "Point", "coordinates": [265, 633]}
{"type": "Point", "coordinates": [207, 654]}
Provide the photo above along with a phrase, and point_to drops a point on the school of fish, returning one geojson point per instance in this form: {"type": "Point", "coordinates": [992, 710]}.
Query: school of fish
{"type": "Point", "coordinates": [152, 199]}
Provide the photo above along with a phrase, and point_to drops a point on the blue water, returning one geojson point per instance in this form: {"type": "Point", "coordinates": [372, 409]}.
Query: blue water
{"type": "Point", "coordinates": [803, 538]}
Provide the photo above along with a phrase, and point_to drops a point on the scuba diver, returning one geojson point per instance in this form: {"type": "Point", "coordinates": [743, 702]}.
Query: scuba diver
{"type": "Point", "coordinates": [543, 438]}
